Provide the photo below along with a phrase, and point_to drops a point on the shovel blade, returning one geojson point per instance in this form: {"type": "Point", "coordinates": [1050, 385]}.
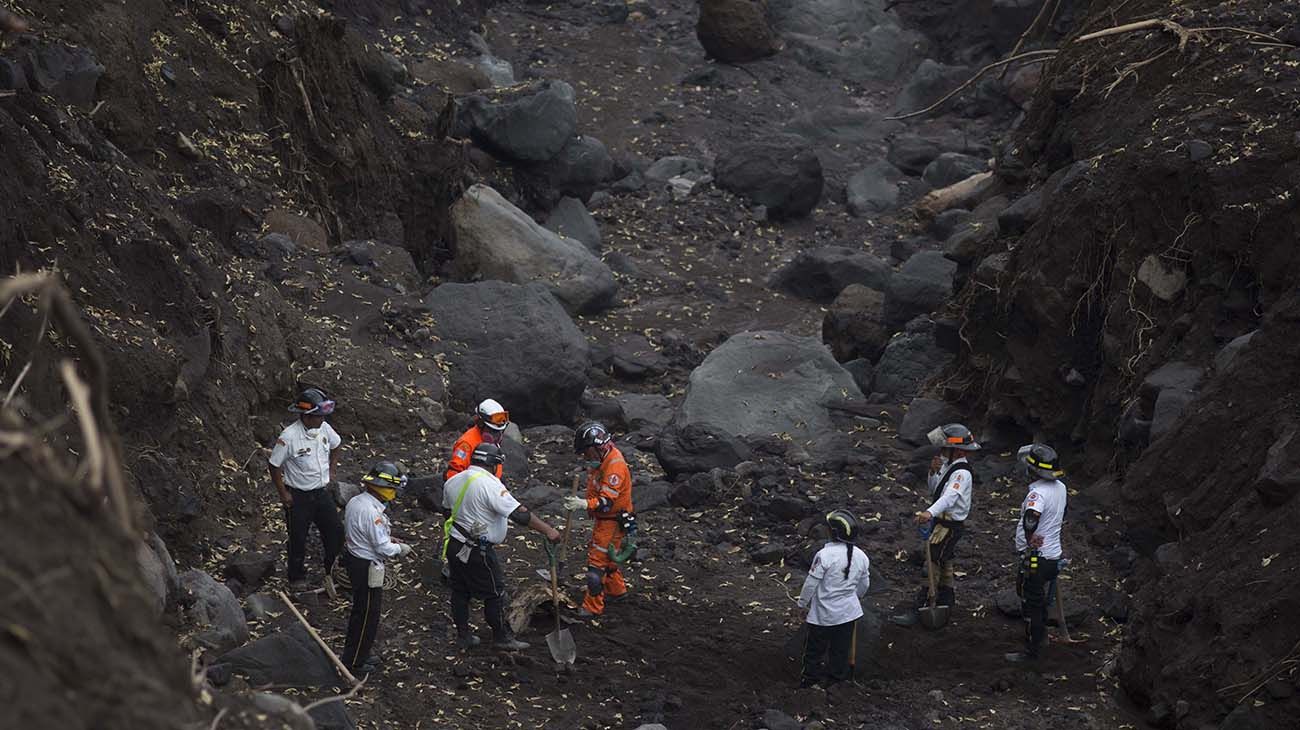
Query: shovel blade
{"type": "Point", "coordinates": [563, 650]}
{"type": "Point", "coordinates": [934, 618]}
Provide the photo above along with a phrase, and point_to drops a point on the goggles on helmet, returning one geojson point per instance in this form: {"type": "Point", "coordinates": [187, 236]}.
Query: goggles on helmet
{"type": "Point", "coordinates": [500, 418]}
{"type": "Point", "coordinates": [324, 408]}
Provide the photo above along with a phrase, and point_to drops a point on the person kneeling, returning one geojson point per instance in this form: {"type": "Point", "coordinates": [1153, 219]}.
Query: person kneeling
{"type": "Point", "coordinates": [832, 593]}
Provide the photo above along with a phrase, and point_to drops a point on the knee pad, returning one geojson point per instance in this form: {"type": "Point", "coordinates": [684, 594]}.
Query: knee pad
{"type": "Point", "coordinates": [594, 585]}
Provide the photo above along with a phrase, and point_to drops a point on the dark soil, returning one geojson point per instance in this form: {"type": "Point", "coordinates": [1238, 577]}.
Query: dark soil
{"type": "Point", "coordinates": [207, 332]}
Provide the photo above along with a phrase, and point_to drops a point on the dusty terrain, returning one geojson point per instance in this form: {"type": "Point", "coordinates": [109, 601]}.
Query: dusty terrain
{"type": "Point", "coordinates": [213, 121]}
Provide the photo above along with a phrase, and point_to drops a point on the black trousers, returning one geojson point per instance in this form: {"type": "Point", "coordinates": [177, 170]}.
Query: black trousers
{"type": "Point", "coordinates": [480, 577]}
{"type": "Point", "coordinates": [363, 621]}
{"type": "Point", "coordinates": [826, 654]}
{"type": "Point", "coordinates": [942, 554]}
{"type": "Point", "coordinates": [1032, 586]}
{"type": "Point", "coordinates": [314, 507]}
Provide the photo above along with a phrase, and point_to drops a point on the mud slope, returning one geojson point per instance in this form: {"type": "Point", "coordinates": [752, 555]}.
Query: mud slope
{"type": "Point", "coordinates": [1167, 230]}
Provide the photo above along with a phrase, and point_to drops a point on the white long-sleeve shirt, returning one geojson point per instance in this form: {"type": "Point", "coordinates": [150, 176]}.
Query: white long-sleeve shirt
{"type": "Point", "coordinates": [832, 599]}
{"type": "Point", "coordinates": [955, 498]}
{"type": "Point", "coordinates": [1046, 497]}
{"type": "Point", "coordinates": [366, 529]}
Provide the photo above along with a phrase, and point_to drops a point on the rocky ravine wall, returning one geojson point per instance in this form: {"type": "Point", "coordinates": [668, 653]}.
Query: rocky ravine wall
{"type": "Point", "coordinates": [1112, 311]}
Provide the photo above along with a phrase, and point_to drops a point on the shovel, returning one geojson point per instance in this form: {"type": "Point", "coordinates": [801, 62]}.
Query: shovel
{"type": "Point", "coordinates": [545, 573]}
{"type": "Point", "coordinates": [560, 641]}
{"type": "Point", "coordinates": [932, 616]}
{"type": "Point", "coordinates": [1060, 616]}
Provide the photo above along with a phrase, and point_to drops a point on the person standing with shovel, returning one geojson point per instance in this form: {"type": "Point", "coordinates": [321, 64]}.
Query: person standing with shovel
{"type": "Point", "coordinates": [832, 593]}
{"type": "Point", "coordinates": [481, 509]}
{"type": "Point", "coordinates": [1038, 540]}
{"type": "Point", "coordinates": [951, 483]}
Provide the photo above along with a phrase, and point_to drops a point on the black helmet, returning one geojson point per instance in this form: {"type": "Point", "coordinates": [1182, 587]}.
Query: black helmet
{"type": "Point", "coordinates": [589, 434]}
{"type": "Point", "coordinates": [489, 456]}
{"type": "Point", "coordinates": [843, 525]}
{"type": "Point", "coordinates": [953, 436]}
{"type": "Point", "coordinates": [1041, 461]}
{"type": "Point", "coordinates": [386, 475]}
{"type": "Point", "coordinates": [312, 401]}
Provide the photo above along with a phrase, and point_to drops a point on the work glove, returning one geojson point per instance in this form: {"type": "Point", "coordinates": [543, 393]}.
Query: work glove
{"type": "Point", "coordinates": [573, 502]}
{"type": "Point", "coordinates": [403, 550]}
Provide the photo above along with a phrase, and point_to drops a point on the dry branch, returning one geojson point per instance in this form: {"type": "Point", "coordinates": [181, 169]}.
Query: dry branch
{"type": "Point", "coordinates": [336, 698]}
{"type": "Point", "coordinates": [1183, 33]}
{"type": "Point", "coordinates": [1045, 53]}
{"type": "Point", "coordinates": [338, 664]}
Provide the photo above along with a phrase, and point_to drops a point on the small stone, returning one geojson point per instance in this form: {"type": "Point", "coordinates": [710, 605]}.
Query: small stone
{"type": "Point", "coordinates": [1198, 150]}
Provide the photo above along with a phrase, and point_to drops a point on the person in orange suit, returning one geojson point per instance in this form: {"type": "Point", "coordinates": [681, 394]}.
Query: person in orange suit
{"type": "Point", "coordinates": [609, 503]}
{"type": "Point", "coordinates": [490, 421]}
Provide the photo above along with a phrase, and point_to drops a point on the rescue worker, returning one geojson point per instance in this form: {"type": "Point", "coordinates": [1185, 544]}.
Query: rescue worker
{"type": "Point", "coordinates": [832, 593]}
{"type": "Point", "coordinates": [490, 422]}
{"type": "Point", "coordinates": [609, 503]}
{"type": "Point", "coordinates": [481, 509]}
{"type": "Point", "coordinates": [951, 481]}
{"type": "Point", "coordinates": [1038, 540]}
{"type": "Point", "coordinates": [368, 543]}
{"type": "Point", "coordinates": [302, 463]}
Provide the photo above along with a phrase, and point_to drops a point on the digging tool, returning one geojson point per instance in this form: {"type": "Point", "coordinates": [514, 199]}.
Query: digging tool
{"type": "Point", "coordinates": [932, 616]}
{"type": "Point", "coordinates": [1065, 637]}
{"type": "Point", "coordinates": [853, 653]}
{"type": "Point", "coordinates": [545, 573]}
{"type": "Point", "coordinates": [560, 641]}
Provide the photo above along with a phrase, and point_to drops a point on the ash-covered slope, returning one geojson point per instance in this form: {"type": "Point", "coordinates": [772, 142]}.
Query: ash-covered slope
{"type": "Point", "coordinates": [1139, 303]}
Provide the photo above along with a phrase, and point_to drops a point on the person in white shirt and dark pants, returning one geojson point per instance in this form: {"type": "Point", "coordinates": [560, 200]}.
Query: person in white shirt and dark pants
{"type": "Point", "coordinates": [301, 464]}
{"type": "Point", "coordinates": [368, 543]}
{"type": "Point", "coordinates": [1038, 540]}
{"type": "Point", "coordinates": [832, 593]}
{"type": "Point", "coordinates": [481, 511]}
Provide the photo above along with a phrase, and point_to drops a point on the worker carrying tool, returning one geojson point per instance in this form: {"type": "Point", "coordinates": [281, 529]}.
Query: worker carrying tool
{"type": "Point", "coordinates": [302, 464]}
{"type": "Point", "coordinates": [367, 544]}
{"type": "Point", "coordinates": [490, 422]}
{"type": "Point", "coordinates": [1038, 541]}
{"type": "Point", "coordinates": [481, 509]}
{"type": "Point", "coordinates": [832, 593]}
{"type": "Point", "coordinates": [609, 503]}
{"type": "Point", "coordinates": [951, 482]}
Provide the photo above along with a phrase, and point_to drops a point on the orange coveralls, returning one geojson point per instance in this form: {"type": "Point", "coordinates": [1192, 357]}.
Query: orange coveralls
{"type": "Point", "coordinates": [612, 481]}
{"type": "Point", "coordinates": [461, 452]}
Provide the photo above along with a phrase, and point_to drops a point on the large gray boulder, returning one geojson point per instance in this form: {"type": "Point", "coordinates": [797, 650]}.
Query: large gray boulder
{"type": "Point", "coordinates": [820, 274]}
{"type": "Point", "coordinates": [923, 416]}
{"type": "Point", "coordinates": [874, 189]}
{"type": "Point", "coordinates": [952, 167]}
{"type": "Point", "coordinates": [928, 84]}
{"type": "Point", "coordinates": [921, 285]}
{"type": "Point", "coordinates": [530, 124]}
{"type": "Point", "coordinates": [758, 384]}
{"type": "Point", "coordinates": [579, 169]}
{"type": "Point", "coordinates": [1166, 392]}
{"type": "Point", "coordinates": [781, 172]}
{"type": "Point", "coordinates": [513, 343]}
{"type": "Point", "coordinates": [496, 240]}
{"type": "Point", "coordinates": [290, 657]}
{"type": "Point", "coordinates": [571, 219]}
{"type": "Point", "coordinates": [698, 447]}
{"type": "Point", "coordinates": [909, 360]}
{"type": "Point", "coordinates": [216, 610]}
{"type": "Point", "coordinates": [645, 411]}
{"type": "Point", "coordinates": [882, 52]}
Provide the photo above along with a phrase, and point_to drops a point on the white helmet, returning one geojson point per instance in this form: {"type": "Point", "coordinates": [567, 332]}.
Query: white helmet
{"type": "Point", "coordinates": [491, 415]}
